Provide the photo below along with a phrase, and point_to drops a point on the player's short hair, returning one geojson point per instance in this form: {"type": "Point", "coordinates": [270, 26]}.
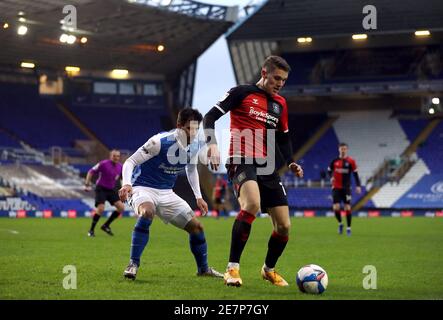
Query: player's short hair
{"type": "Point", "coordinates": [342, 144]}
{"type": "Point", "coordinates": [114, 150]}
{"type": "Point", "coordinates": [275, 62]}
{"type": "Point", "coordinates": [189, 114]}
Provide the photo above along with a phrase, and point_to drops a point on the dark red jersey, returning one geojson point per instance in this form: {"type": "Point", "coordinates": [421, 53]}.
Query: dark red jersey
{"type": "Point", "coordinates": [253, 111]}
{"type": "Point", "coordinates": [341, 170]}
{"type": "Point", "coordinates": [220, 188]}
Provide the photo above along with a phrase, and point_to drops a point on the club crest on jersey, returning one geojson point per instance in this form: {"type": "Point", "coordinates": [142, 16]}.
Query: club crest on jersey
{"type": "Point", "coordinates": [276, 108]}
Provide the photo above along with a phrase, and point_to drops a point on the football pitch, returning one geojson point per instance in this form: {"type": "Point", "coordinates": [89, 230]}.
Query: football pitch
{"type": "Point", "coordinates": [407, 254]}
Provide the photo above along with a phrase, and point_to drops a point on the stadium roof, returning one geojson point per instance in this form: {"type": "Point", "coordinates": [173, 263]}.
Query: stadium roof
{"type": "Point", "coordinates": [285, 19]}
{"type": "Point", "coordinates": [121, 34]}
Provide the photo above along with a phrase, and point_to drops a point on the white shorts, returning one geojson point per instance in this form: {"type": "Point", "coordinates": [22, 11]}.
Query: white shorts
{"type": "Point", "coordinates": [169, 207]}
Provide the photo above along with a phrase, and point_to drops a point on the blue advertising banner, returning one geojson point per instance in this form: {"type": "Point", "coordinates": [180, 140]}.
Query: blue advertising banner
{"type": "Point", "coordinates": [427, 193]}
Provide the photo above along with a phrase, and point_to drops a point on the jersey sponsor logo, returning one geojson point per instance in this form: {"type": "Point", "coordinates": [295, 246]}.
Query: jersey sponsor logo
{"type": "Point", "coordinates": [255, 101]}
{"type": "Point", "coordinates": [170, 169]}
{"type": "Point", "coordinates": [263, 116]}
{"type": "Point", "coordinates": [341, 170]}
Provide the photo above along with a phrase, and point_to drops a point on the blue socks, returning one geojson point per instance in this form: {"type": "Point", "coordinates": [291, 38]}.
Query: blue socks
{"type": "Point", "coordinates": [140, 237]}
{"type": "Point", "coordinates": [199, 249]}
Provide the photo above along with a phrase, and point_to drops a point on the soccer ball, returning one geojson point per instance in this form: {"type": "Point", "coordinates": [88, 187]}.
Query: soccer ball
{"type": "Point", "coordinates": [312, 279]}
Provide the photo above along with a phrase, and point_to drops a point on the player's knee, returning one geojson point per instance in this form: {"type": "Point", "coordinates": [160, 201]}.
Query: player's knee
{"type": "Point", "coordinates": [252, 207]}
{"type": "Point", "coordinates": [336, 207]}
{"type": "Point", "coordinates": [120, 207]}
{"type": "Point", "coordinates": [197, 228]}
{"type": "Point", "coordinates": [100, 209]}
{"type": "Point", "coordinates": [284, 228]}
{"type": "Point", "coordinates": [146, 211]}
{"type": "Point", "coordinates": [347, 207]}
{"type": "Point", "coordinates": [147, 214]}
{"type": "Point", "coordinates": [194, 226]}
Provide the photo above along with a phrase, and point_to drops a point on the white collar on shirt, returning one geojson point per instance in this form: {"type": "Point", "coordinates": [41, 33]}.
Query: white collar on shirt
{"type": "Point", "coordinates": [179, 139]}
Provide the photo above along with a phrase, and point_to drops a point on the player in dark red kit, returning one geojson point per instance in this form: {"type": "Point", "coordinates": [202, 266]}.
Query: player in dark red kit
{"type": "Point", "coordinates": [256, 111]}
{"type": "Point", "coordinates": [340, 171]}
{"type": "Point", "coordinates": [219, 195]}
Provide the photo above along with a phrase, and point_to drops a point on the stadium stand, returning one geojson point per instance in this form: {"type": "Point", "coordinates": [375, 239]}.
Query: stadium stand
{"type": "Point", "coordinates": [126, 118]}
{"type": "Point", "coordinates": [45, 150]}
{"type": "Point", "coordinates": [314, 198]}
{"type": "Point", "coordinates": [422, 185]}
{"type": "Point", "coordinates": [34, 119]}
{"type": "Point", "coordinates": [431, 151]}
{"type": "Point", "coordinates": [309, 193]}
{"type": "Point", "coordinates": [413, 127]}
{"type": "Point", "coordinates": [316, 161]}
{"type": "Point", "coordinates": [6, 141]}
{"type": "Point", "coordinates": [391, 192]}
{"type": "Point", "coordinates": [42, 180]}
{"type": "Point", "coordinates": [387, 139]}
{"type": "Point", "coordinates": [120, 127]}
{"type": "Point", "coordinates": [303, 126]}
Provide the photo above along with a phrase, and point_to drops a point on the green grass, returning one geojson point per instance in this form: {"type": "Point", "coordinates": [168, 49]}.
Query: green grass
{"type": "Point", "coordinates": [407, 252]}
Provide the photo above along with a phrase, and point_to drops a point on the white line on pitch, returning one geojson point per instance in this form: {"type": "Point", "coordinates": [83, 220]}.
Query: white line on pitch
{"type": "Point", "coordinates": [11, 231]}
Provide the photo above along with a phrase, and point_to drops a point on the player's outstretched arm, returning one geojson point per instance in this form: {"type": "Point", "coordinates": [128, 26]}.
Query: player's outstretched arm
{"type": "Point", "coordinates": [193, 178]}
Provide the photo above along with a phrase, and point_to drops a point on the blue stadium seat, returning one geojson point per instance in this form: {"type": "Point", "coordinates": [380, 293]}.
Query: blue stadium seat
{"type": "Point", "coordinates": [35, 119]}
{"type": "Point", "coordinates": [119, 127]}
{"type": "Point", "coordinates": [318, 158]}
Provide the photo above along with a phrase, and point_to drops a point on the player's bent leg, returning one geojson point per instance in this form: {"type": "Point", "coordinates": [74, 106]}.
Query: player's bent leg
{"type": "Point", "coordinates": [100, 207]}
{"type": "Point", "coordinates": [280, 219]}
{"type": "Point", "coordinates": [199, 248]}
{"type": "Point", "coordinates": [249, 198]}
{"type": "Point", "coordinates": [140, 237]}
{"type": "Point", "coordinates": [276, 244]}
{"type": "Point", "coordinates": [250, 205]}
{"type": "Point", "coordinates": [337, 212]}
{"type": "Point", "coordinates": [115, 214]}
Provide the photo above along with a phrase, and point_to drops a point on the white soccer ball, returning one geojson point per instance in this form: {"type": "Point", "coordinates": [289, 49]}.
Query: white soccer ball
{"type": "Point", "coordinates": [312, 279]}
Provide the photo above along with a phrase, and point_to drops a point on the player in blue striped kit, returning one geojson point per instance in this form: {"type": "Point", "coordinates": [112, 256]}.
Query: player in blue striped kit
{"type": "Point", "coordinates": [148, 178]}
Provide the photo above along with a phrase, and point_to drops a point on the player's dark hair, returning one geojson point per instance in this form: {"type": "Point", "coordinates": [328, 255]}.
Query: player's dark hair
{"type": "Point", "coordinates": [275, 62]}
{"type": "Point", "coordinates": [188, 114]}
{"type": "Point", "coordinates": [342, 144]}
